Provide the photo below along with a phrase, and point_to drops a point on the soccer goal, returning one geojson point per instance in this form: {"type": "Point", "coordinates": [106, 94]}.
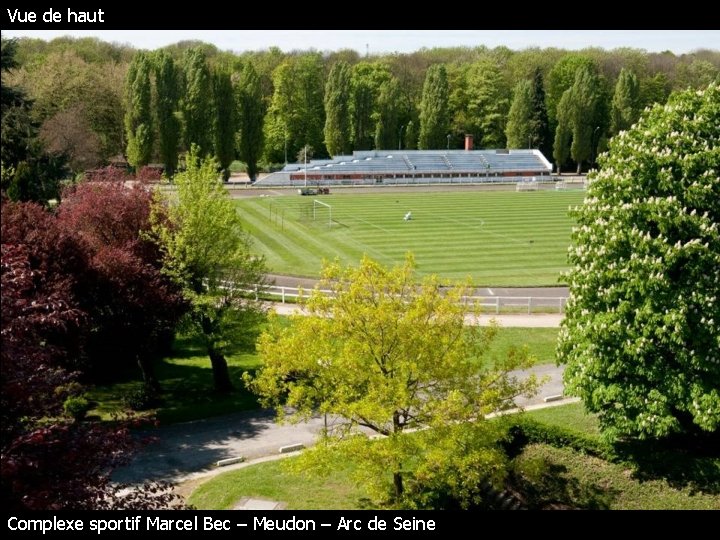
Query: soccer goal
{"type": "Point", "coordinates": [322, 210]}
{"type": "Point", "coordinates": [526, 185]}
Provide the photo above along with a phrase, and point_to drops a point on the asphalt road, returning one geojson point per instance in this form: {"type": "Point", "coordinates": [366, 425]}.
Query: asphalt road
{"type": "Point", "coordinates": [189, 450]}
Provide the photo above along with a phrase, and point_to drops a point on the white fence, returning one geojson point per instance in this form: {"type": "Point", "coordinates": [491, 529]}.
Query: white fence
{"type": "Point", "coordinates": [497, 304]}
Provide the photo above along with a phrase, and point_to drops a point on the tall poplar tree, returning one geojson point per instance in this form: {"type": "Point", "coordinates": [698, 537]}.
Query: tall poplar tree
{"type": "Point", "coordinates": [366, 82]}
{"type": "Point", "coordinates": [586, 115]}
{"type": "Point", "coordinates": [563, 131]}
{"type": "Point", "coordinates": [518, 129]}
{"type": "Point", "coordinates": [167, 84]}
{"type": "Point", "coordinates": [138, 113]}
{"type": "Point", "coordinates": [434, 111]}
{"type": "Point", "coordinates": [387, 116]}
{"type": "Point", "coordinates": [251, 113]}
{"type": "Point", "coordinates": [625, 109]}
{"type": "Point", "coordinates": [337, 113]}
{"type": "Point", "coordinates": [539, 123]}
{"type": "Point", "coordinates": [581, 117]}
{"type": "Point", "coordinates": [225, 120]}
{"type": "Point", "coordinates": [197, 106]}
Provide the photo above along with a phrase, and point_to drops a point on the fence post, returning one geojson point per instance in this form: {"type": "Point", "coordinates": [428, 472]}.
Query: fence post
{"type": "Point", "coordinates": [256, 292]}
{"type": "Point", "coordinates": [497, 305]}
{"type": "Point", "coordinates": [560, 305]}
{"type": "Point", "coordinates": [282, 292]}
{"type": "Point", "coordinates": [529, 304]}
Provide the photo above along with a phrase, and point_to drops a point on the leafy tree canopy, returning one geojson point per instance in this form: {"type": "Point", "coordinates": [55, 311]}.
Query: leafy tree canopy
{"type": "Point", "coordinates": [641, 338]}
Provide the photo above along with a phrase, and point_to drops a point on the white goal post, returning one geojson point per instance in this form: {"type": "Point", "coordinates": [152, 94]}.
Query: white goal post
{"type": "Point", "coordinates": [315, 205]}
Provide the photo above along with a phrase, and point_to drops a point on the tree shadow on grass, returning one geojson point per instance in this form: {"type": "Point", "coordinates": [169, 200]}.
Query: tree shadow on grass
{"type": "Point", "coordinates": [690, 461]}
{"type": "Point", "coordinates": [543, 485]}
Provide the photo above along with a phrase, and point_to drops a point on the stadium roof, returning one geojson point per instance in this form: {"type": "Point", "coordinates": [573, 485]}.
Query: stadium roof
{"type": "Point", "coordinates": [415, 166]}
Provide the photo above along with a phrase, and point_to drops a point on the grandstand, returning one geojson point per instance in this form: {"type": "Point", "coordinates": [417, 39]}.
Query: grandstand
{"type": "Point", "coordinates": [390, 167]}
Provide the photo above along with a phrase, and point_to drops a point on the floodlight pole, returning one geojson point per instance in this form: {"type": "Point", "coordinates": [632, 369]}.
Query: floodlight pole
{"type": "Point", "coordinates": [400, 138]}
{"type": "Point", "coordinates": [305, 156]}
{"type": "Point", "coordinates": [448, 138]}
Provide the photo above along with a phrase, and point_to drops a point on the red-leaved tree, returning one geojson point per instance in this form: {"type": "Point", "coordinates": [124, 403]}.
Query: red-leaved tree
{"type": "Point", "coordinates": [49, 461]}
{"type": "Point", "coordinates": [133, 306]}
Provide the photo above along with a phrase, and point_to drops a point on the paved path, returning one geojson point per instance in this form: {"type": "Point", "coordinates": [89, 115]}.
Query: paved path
{"type": "Point", "coordinates": [542, 320]}
{"type": "Point", "coordinates": [189, 450]}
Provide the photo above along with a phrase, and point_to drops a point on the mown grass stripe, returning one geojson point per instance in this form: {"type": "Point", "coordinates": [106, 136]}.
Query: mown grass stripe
{"type": "Point", "coordinates": [498, 238]}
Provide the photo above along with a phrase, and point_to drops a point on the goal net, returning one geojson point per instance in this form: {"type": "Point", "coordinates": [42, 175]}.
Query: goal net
{"type": "Point", "coordinates": [322, 212]}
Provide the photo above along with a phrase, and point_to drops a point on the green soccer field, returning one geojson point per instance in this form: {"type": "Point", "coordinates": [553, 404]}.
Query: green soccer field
{"type": "Point", "coordinates": [496, 237]}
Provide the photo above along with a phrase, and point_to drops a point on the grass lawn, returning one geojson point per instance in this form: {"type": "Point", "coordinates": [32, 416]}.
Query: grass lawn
{"type": "Point", "coordinates": [186, 377]}
{"type": "Point", "coordinates": [495, 237]}
{"type": "Point", "coordinates": [540, 342]}
{"type": "Point", "coordinates": [590, 482]}
{"type": "Point", "coordinates": [572, 416]}
{"type": "Point", "coordinates": [560, 475]}
{"type": "Point", "coordinates": [272, 480]}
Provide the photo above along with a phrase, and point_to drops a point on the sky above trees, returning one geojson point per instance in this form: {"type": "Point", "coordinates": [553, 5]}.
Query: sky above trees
{"type": "Point", "coordinates": [383, 41]}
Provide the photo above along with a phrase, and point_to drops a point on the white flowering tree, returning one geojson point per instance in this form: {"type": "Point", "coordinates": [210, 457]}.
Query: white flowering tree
{"type": "Point", "coordinates": [642, 334]}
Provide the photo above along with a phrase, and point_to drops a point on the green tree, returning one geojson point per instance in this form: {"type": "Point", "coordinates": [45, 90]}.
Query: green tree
{"type": "Point", "coordinates": [411, 135]}
{"type": "Point", "coordinates": [434, 112]}
{"type": "Point", "coordinates": [539, 123]}
{"type": "Point", "coordinates": [386, 115]}
{"type": "Point", "coordinates": [225, 120]}
{"type": "Point", "coordinates": [386, 354]}
{"type": "Point", "coordinates": [563, 131]}
{"type": "Point", "coordinates": [197, 105]}
{"type": "Point", "coordinates": [337, 111]}
{"type": "Point", "coordinates": [642, 331]}
{"type": "Point", "coordinates": [251, 112]}
{"type": "Point", "coordinates": [625, 108]}
{"type": "Point", "coordinates": [28, 173]}
{"type": "Point", "coordinates": [561, 78]}
{"type": "Point", "coordinates": [366, 81]}
{"type": "Point", "coordinates": [167, 86]}
{"type": "Point", "coordinates": [138, 111]}
{"type": "Point", "coordinates": [62, 80]}
{"type": "Point", "coordinates": [18, 127]}
{"type": "Point", "coordinates": [487, 104]}
{"type": "Point", "coordinates": [587, 116]}
{"type": "Point", "coordinates": [207, 252]}
{"type": "Point", "coordinates": [519, 119]}
{"type": "Point", "coordinates": [296, 116]}
{"type": "Point", "coordinates": [581, 117]}
{"type": "Point", "coordinates": [655, 89]}
{"type": "Point", "coordinates": [697, 74]}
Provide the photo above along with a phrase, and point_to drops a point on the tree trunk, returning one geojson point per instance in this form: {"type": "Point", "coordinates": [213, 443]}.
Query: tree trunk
{"type": "Point", "coordinates": [398, 484]}
{"type": "Point", "coordinates": [148, 373]}
{"type": "Point", "coordinates": [397, 475]}
{"type": "Point", "coordinates": [221, 375]}
{"type": "Point", "coordinates": [579, 168]}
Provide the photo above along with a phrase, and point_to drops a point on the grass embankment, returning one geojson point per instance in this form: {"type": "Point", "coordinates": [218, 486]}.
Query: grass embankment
{"type": "Point", "coordinates": [548, 476]}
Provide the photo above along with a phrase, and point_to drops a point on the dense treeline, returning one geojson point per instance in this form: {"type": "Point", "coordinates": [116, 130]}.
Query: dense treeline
{"type": "Point", "coordinates": [265, 106]}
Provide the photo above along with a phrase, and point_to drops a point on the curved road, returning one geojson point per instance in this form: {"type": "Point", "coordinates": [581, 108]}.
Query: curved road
{"type": "Point", "coordinates": [189, 450]}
